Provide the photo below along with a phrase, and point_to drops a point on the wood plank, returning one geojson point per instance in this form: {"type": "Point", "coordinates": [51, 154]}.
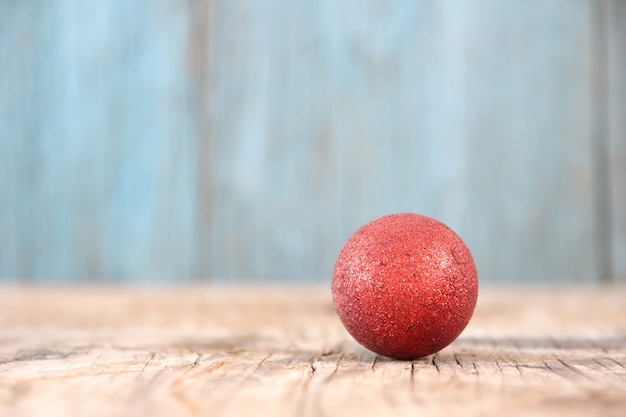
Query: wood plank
{"type": "Point", "coordinates": [282, 351]}
{"type": "Point", "coordinates": [96, 143]}
{"type": "Point", "coordinates": [617, 132]}
{"type": "Point", "coordinates": [164, 139]}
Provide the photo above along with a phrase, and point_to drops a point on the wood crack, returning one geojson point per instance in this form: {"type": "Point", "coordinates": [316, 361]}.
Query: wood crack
{"type": "Point", "coordinates": [617, 362]}
{"type": "Point", "coordinates": [374, 362]}
{"type": "Point", "coordinates": [152, 355]}
{"type": "Point", "coordinates": [435, 364]}
{"type": "Point", "coordinates": [228, 400]}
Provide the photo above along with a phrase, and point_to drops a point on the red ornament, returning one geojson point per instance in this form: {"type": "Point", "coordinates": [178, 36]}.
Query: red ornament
{"type": "Point", "coordinates": [405, 285]}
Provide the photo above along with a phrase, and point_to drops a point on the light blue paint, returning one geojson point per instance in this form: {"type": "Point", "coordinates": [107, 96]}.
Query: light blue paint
{"type": "Point", "coordinates": [103, 175]}
{"type": "Point", "coordinates": [321, 116]}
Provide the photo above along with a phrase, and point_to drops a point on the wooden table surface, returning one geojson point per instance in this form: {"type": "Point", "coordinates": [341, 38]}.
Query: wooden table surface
{"type": "Point", "coordinates": [283, 352]}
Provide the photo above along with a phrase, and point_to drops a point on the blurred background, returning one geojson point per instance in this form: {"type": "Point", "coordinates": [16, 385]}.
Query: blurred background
{"type": "Point", "coordinates": [230, 140]}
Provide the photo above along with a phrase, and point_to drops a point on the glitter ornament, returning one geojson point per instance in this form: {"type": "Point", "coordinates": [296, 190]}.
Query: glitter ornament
{"type": "Point", "coordinates": [405, 285]}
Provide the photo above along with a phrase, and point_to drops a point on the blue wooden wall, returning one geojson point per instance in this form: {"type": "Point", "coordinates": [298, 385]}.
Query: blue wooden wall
{"type": "Point", "coordinates": [230, 139]}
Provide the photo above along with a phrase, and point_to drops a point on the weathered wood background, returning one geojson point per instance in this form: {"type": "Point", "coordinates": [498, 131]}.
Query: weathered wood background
{"type": "Point", "coordinates": [228, 138]}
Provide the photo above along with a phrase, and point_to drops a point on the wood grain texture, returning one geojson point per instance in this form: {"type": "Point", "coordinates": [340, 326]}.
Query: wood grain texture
{"type": "Point", "coordinates": [616, 12]}
{"type": "Point", "coordinates": [172, 140]}
{"type": "Point", "coordinates": [283, 352]}
{"type": "Point", "coordinates": [97, 159]}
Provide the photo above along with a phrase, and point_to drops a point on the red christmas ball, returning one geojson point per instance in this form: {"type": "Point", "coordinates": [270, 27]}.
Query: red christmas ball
{"type": "Point", "coordinates": [405, 285]}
